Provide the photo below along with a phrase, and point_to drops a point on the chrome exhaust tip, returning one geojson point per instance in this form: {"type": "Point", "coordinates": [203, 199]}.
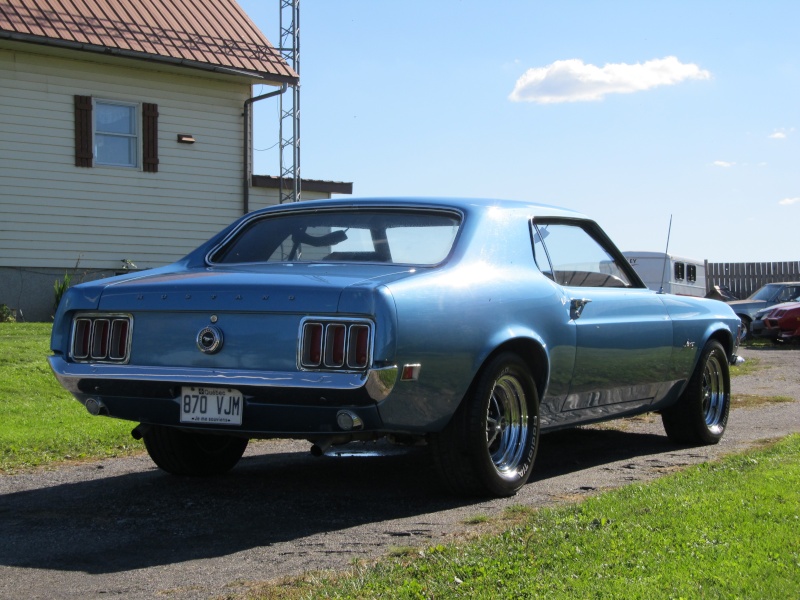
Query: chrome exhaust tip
{"type": "Point", "coordinates": [95, 407]}
{"type": "Point", "coordinates": [347, 420]}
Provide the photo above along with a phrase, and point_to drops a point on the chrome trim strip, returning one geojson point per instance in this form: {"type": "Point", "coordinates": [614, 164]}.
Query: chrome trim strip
{"type": "Point", "coordinates": [378, 382]}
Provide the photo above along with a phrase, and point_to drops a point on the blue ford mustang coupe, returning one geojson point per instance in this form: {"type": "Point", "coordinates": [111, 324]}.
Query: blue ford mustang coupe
{"type": "Point", "coordinates": [472, 325]}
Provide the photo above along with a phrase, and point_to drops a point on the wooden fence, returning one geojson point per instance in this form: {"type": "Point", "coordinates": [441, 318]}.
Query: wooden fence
{"type": "Point", "coordinates": [745, 278]}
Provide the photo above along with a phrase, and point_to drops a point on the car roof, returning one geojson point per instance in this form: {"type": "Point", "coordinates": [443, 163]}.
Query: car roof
{"type": "Point", "coordinates": [466, 205]}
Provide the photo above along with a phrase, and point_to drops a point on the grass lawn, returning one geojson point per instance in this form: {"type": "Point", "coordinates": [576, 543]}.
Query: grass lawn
{"type": "Point", "coordinates": [41, 422]}
{"type": "Point", "coordinates": [720, 530]}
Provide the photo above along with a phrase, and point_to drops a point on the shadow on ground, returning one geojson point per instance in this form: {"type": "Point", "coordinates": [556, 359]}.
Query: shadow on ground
{"type": "Point", "coordinates": [148, 518]}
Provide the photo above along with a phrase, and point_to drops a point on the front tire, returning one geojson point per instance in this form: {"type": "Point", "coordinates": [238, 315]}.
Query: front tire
{"type": "Point", "coordinates": [490, 444]}
{"type": "Point", "coordinates": [701, 414]}
{"type": "Point", "coordinates": [189, 453]}
{"type": "Point", "coordinates": [746, 323]}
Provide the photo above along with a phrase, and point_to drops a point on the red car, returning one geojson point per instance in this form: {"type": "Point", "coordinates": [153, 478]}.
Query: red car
{"type": "Point", "coordinates": [783, 323]}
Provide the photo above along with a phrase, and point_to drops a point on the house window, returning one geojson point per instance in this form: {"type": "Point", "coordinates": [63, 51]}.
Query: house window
{"type": "Point", "coordinates": [118, 134]}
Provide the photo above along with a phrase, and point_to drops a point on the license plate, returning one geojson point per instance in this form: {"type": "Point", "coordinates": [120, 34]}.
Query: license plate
{"type": "Point", "coordinates": [211, 406]}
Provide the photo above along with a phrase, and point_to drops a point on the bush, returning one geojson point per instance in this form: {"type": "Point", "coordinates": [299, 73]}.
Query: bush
{"type": "Point", "coordinates": [59, 287]}
{"type": "Point", "coordinates": [6, 316]}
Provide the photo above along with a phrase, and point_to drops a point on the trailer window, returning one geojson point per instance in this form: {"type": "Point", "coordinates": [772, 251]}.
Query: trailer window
{"type": "Point", "coordinates": [692, 273]}
{"type": "Point", "coordinates": [679, 271]}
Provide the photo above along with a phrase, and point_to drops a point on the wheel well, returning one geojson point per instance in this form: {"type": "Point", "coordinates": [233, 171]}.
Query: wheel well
{"type": "Point", "coordinates": [724, 338]}
{"type": "Point", "coordinates": [532, 354]}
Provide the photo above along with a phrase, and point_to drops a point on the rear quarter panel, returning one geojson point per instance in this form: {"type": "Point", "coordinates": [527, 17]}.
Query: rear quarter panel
{"type": "Point", "coordinates": [450, 319]}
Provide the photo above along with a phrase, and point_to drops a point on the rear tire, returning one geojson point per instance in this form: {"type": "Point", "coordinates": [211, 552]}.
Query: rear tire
{"type": "Point", "coordinates": [701, 413]}
{"type": "Point", "coordinates": [490, 444]}
{"type": "Point", "coordinates": [188, 453]}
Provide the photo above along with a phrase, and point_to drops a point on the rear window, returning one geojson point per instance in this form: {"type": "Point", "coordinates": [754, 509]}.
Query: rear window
{"type": "Point", "coordinates": [390, 236]}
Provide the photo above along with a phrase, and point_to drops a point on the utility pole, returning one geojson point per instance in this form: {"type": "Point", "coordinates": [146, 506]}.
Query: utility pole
{"type": "Point", "coordinates": [289, 131]}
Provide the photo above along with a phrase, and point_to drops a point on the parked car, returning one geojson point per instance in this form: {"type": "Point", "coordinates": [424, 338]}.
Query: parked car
{"type": "Point", "coordinates": [721, 292]}
{"type": "Point", "coordinates": [758, 328]}
{"type": "Point", "coordinates": [470, 325]}
{"type": "Point", "coordinates": [764, 297]}
{"type": "Point", "coordinates": [781, 323]}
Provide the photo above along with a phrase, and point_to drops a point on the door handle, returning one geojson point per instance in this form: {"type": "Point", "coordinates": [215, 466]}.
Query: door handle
{"type": "Point", "coordinates": [576, 306]}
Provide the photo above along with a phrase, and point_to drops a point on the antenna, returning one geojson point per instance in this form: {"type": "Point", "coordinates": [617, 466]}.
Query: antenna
{"type": "Point", "coordinates": [666, 257]}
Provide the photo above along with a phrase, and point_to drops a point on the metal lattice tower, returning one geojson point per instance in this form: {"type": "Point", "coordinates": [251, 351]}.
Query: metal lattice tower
{"type": "Point", "coordinates": [289, 131]}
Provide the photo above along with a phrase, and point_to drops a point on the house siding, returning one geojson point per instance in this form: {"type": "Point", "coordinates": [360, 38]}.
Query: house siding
{"type": "Point", "coordinates": [54, 214]}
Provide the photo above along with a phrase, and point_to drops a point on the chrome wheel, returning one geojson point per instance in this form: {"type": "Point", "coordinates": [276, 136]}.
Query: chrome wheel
{"type": "Point", "coordinates": [490, 444]}
{"type": "Point", "coordinates": [714, 395]}
{"type": "Point", "coordinates": [507, 425]}
{"type": "Point", "coordinates": [700, 415]}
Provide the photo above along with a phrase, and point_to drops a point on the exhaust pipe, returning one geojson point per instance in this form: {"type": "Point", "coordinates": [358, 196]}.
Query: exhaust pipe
{"type": "Point", "coordinates": [96, 407]}
{"type": "Point", "coordinates": [322, 447]}
{"type": "Point", "coordinates": [140, 431]}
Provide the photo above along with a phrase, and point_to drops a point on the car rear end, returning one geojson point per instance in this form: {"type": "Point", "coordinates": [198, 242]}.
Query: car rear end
{"type": "Point", "coordinates": [283, 327]}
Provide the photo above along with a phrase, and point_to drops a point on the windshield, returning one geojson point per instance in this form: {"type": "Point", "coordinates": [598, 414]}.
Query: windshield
{"type": "Point", "coordinates": [765, 293]}
{"type": "Point", "coordinates": [344, 235]}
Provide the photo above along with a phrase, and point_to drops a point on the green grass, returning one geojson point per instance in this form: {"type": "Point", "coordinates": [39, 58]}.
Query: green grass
{"type": "Point", "coordinates": [41, 422]}
{"type": "Point", "coordinates": [720, 530]}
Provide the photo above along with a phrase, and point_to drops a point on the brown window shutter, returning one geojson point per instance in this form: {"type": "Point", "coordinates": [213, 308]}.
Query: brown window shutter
{"type": "Point", "coordinates": [83, 131]}
{"type": "Point", "coordinates": [150, 137]}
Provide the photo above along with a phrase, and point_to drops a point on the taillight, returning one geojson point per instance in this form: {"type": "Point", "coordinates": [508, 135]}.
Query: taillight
{"type": "Point", "coordinates": [335, 344]}
{"type": "Point", "coordinates": [118, 348]}
{"type": "Point", "coordinates": [101, 338]}
{"type": "Point", "coordinates": [335, 340]}
{"type": "Point", "coordinates": [312, 345]}
{"type": "Point", "coordinates": [81, 337]}
{"type": "Point", "coordinates": [100, 334]}
{"type": "Point", "coordinates": [358, 354]}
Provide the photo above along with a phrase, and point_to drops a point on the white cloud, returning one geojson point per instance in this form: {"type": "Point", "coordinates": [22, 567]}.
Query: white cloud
{"type": "Point", "coordinates": [788, 201]}
{"type": "Point", "coordinates": [722, 163]}
{"type": "Point", "coordinates": [781, 134]}
{"type": "Point", "coordinates": [574, 81]}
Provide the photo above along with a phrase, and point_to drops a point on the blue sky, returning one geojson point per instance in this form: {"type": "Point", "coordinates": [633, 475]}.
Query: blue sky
{"type": "Point", "coordinates": [630, 112]}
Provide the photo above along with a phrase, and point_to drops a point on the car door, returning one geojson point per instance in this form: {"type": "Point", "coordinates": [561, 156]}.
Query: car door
{"type": "Point", "coordinates": [623, 331]}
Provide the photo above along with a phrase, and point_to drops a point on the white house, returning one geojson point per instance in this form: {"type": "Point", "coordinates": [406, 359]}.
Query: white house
{"type": "Point", "coordinates": [123, 136]}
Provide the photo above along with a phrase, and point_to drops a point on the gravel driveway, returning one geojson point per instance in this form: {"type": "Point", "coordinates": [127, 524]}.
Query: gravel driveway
{"type": "Point", "coordinates": [122, 528]}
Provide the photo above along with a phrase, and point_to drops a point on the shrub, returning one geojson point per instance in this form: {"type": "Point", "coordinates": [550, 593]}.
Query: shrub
{"type": "Point", "coordinates": [59, 287]}
{"type": "Point", "coordinates": [6, 316]}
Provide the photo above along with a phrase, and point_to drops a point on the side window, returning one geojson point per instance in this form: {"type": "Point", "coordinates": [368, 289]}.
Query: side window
{"type": "Point", "coordinates": [788, 293]}
{"type": "Point", "coordinates": [691, 273]}
{"type": "Point", "coordinates": [117, 134]}
{"type": "Point", "coordinates": [570, 256]}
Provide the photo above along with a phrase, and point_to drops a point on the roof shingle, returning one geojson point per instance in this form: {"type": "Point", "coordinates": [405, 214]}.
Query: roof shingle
{"type": "Point", "coordinates": [195, 32]}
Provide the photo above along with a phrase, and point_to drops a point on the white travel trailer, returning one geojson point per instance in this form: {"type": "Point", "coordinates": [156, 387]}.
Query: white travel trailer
{"type": "Point", "coordinates": [669, 273]}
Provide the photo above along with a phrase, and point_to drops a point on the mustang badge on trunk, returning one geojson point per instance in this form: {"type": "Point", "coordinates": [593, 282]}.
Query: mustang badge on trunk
{"type": "Point", "coordinates": [209, 340]}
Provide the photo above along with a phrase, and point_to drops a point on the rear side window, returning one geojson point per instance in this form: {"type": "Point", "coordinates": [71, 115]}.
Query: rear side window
{"type": "Point", "coordinates": [376, 236]}
{"type": "Point", "coordinates": [571, 256]}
